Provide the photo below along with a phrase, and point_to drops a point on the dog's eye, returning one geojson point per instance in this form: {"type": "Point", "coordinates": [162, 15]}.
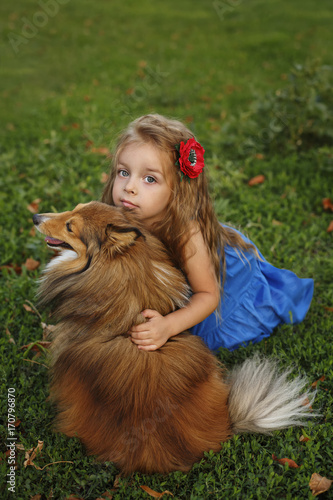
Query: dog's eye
{"type": "Point", "coordinates": [68, 227]}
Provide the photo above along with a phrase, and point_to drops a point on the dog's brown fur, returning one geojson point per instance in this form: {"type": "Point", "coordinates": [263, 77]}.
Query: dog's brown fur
{"type": "Point", "coordinates": [146, 411]}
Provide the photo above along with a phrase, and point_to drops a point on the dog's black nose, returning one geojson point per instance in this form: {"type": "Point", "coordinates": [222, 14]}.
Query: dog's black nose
{"type": "Point", "coordinates": [36, 219]}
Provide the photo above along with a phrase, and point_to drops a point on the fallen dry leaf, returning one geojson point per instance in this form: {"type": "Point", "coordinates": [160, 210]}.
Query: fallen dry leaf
{"type": "Point", "coordinates": [104, 178]}
{"type": "Point", "coordinates": [31, 308]}
{"type": "Point", "coordinates": [306, 402]}
{"type": "Point", "coordinates": [258, 179]}
{"type": "Point", "coordinates": [10, 338]}
{"type": "Point", "coordinates": [105, 495]}
{"type": "Point", "coordinates": [319, 484]}
{"type": "Point", "coordinates": [30, 455]}
{"type": "Point", "coordinates": [86, 191]}
{"type": "Point", "coordinates": [33, 207]}
{"type": "Point", "coordinates": [277, 222]}
{"type": "Point", "coordinates": [116, 481]}
{"type": "Point", "coordinates": [155, 494]}
{"type": "Point", "coordinates": [321, 379]}
{"type": "Point", "coordinates": [101, 151]}
{"type": "Point", "coordinates": [230, 89]}
{"type": "Point", "coordinates": [47, 329]}
{"type": "Point", "coordinates": [7, 454]}
{"type": "Point", "coordinates": [304, 439]}
{"type": "Point", "coordinates": [141, 73]}
{"type": "Point", "coordinates": [330, 227]}
{"type": "Point", "coordinates": [327, 204]}
{"type": "Point", "coordinates": [259, 156]}
{"type": "Point", "coordinates": [36, 345]}
{"type": "Point", "coordinates": [284, 461]}
{"type": "Point", "coordinates": [330, 309]}
{"type": "Point", "coordinates": [28, 308]}
{"type": "Point", "coordinates": [31, 264]}
{"type": "Point", "coordinates": [11, 267]}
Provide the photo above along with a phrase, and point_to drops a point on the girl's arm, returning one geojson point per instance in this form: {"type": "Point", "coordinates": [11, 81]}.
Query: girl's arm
{"type": "Point", "coordinates": [200, 273]}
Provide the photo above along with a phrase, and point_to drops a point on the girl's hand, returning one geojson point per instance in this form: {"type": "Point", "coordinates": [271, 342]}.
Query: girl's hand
{"type": "Point", "coordinates": [153, 334]}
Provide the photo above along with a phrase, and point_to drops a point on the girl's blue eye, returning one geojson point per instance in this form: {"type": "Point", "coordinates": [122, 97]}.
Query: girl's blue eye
{"type": "Point", "coordinates": [150, 179]}
{"type": "Point", "coordinates": [123, 173]}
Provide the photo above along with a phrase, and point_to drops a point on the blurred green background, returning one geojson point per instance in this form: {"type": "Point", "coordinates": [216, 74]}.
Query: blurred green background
{"type": "Point", "coordinates": [105, 62]}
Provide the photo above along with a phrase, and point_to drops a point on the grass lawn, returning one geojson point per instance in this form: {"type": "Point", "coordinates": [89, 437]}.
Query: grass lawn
{"type": "Point", "coordinates": [254, 82]}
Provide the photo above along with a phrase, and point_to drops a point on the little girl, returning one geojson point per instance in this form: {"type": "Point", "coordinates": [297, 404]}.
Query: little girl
{"type": "Point", "coordinates": [158, 172]}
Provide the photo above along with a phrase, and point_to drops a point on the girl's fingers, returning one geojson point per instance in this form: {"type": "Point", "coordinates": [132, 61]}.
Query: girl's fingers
{"type": "Point", "coordinates": [137, 329]}
{"type": "Point", "coordinates": [143, 342]}
{"type": "Point", "coordinates": [148, 348]}
{"type": "Point", "coordinates": [139, 335]}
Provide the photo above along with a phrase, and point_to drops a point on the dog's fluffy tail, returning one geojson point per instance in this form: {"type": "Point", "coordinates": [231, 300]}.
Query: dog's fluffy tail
{"type": "Point", "coordinates": [262, 400]}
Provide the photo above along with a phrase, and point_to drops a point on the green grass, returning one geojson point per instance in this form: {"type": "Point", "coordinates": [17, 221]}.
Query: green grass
{"type": "Point", "coordinates": [222, 67]}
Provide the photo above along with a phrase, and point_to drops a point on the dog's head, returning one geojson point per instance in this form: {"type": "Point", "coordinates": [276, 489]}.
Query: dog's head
{"type": "Point", "coordinates": [88, 228]}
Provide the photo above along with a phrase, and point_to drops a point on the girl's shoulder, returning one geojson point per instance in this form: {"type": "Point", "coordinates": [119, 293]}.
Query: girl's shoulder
{"type": "Point", "coordinates": [194, 240]}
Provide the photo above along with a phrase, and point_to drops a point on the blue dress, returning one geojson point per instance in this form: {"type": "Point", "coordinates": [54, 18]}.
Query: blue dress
{"type": "Point", "coordinates": [256, 298]}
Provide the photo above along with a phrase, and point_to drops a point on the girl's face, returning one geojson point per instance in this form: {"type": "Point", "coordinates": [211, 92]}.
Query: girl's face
{"type": "Point", "coordinates": [140, 182]}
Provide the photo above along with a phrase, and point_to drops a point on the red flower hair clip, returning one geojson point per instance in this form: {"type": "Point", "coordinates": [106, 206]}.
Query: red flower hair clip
{"type": "Point", "coordinates": [191, 160]}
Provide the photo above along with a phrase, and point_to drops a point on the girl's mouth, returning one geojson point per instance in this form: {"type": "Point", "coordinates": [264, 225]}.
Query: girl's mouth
{"type": "Point", "coordinates": [128, 204]}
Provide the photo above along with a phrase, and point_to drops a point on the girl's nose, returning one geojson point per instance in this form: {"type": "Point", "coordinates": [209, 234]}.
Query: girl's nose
{"type": "Point", "coordinates": [130, 187]}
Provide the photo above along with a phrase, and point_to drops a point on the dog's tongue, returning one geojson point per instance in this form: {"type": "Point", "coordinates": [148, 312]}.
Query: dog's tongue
{"type": "Point", "coordinates": [53, 241]}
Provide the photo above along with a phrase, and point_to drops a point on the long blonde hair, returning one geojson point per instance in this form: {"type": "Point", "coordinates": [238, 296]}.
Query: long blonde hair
{"type": "Point", "coordinates": [190, 200]}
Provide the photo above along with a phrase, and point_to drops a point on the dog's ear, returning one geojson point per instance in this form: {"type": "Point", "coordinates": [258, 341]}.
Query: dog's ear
{"type": "Point", "coordinates": [120, 238]}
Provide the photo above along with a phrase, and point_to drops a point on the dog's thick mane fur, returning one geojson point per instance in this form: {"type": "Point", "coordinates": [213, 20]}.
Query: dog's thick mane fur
{"type": "Point", "coordinates": [146, 411]}
{"type": "Point", "coordinates": [97, 288]}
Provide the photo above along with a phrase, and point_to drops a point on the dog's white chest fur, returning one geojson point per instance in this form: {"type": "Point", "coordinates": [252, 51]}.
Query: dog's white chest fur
{"type": "Point", "coordinates": [65, 256]}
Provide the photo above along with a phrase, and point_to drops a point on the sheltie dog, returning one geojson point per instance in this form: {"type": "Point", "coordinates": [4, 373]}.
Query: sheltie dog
{"type": "Point", "coordinates": [145, 411]}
